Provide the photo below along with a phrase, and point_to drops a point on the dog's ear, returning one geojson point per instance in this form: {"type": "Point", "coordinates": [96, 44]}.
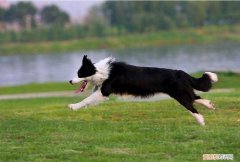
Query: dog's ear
{"type": "Point", "coordinates": [86, 60]}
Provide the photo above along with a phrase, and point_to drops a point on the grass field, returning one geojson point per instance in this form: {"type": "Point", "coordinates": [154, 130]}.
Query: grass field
{"type": "Point", "coordinates": [44, 129]}
{"type": "Point", "coordinates": [209, 34]}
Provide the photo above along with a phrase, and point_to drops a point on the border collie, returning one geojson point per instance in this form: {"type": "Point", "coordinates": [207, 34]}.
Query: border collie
{"type": "Point", "coordinates": [112, 77]}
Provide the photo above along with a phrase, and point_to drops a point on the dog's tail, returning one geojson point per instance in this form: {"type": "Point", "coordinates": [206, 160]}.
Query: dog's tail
{"type": "Point", "coordinates": [205, 82]}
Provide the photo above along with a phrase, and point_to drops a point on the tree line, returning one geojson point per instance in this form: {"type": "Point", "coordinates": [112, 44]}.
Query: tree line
{"type": "Point", "coordinates": [134, 16]}
{"type": "Point", "coordinates": [115, 18]}
{"type": "Point", "coordinates": [26, 15]}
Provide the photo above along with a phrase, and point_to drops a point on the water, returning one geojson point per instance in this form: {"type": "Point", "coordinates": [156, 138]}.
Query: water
{"type": "Point", "coordinates": [23, 69]}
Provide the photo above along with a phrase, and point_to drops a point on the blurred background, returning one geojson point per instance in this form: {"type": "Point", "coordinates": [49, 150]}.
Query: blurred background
{"type": "Point", "coordinates": [44, 41]}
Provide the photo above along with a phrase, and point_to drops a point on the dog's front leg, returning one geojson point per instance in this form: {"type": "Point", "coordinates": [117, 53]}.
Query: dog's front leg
{"type": "Point", "coordinates": [93, 99]}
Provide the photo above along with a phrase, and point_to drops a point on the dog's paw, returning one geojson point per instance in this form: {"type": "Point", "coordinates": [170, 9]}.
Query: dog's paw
{"type": "Point", "coordinates": [210, 105]}
{"type": "Point", "coordinates": [73, 106]}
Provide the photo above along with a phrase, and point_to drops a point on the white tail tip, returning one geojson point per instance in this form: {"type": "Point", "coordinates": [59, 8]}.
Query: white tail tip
{"type": "Point", "coordinates": [213, 76]}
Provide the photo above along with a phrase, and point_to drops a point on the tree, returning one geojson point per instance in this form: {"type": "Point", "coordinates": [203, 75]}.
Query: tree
{"type": "Point", "coordinates": [2, 14]}
{"type": "Point", "coordinates": [96, 22]}
{"type": "Point", "coordinates": [52, 15]}
{"type": "Point", "coordinates": [22, 12]}
{"type": "Point", "coordinates": [150, 15]}
{"type": "Point", "coordinates": [197, 12]}
{"type": "Point", "coordinates": [165, 22]}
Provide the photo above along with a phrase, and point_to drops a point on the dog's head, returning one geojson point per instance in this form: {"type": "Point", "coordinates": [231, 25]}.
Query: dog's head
{"type": "Point", "coordinates": [86, 70]}
{"type": "Point", "coordinates": [97, 72]}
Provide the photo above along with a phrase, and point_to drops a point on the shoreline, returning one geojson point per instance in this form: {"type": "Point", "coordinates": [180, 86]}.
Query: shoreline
{"type": "Point", "coordinates": [211, 34]}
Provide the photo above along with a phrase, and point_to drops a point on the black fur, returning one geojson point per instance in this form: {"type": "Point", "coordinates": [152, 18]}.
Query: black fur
{"type": "Point", "coordinates": [146, 81]}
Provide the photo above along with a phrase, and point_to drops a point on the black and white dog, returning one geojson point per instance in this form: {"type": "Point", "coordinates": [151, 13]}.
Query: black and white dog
{"type": "Point", "coordinates": [111, 77]}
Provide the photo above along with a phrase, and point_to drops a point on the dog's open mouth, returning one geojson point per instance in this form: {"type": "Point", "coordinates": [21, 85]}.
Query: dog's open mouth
{"type": "Point", "coordinates": [82, 87]}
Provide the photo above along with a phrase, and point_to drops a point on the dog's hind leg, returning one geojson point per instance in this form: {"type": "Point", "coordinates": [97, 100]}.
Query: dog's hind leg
{"type": "Point", "coordinates": [206, 103]}
{"type": "Point", "coordinates": [189, 106]}
{"type": "Point", "coordinates": [193, 111]}
{"type": "Point", "coordinates": [186, 99]}
{"type": "Point", "coordinates": [93, 99]}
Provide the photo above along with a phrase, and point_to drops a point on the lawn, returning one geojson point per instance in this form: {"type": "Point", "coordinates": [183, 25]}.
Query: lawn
{"type": "Point", "coordinates": [43, 129]}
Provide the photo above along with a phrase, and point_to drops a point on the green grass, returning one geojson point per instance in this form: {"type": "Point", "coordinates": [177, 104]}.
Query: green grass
{"type": "Point", "coordinates": [229, 80]}
{"type": "Point", "coordinates": [209, 34]}
{"type": "Point", "coordinates": [37, 87]}
{"type": "Point", "coordinates": [45, 130]}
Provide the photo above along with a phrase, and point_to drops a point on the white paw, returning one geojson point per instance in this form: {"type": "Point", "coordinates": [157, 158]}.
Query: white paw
{"type": "Point", "coordinates": [210, 105]}
{"type": "Point", "coordinates": [199, 118]}
{"type": "Point", "coordinates": [73, 106]}
{"type": "Point", "coordinates": [206, 103]}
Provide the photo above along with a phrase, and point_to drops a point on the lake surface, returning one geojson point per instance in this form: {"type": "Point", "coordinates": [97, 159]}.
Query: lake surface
{"type": "Point", "coordinates": [23, 69]}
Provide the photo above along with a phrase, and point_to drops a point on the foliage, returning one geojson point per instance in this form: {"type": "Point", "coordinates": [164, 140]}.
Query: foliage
{"type": "Point", "coordinates": [2, 14]}
{"type": "Point", "coordinates": [141, 15]}
{"type": "Point", "coordinates": [52, 15]}
{"type": "Point", "coordinates": [25, 13]}
{"type": "Point", "coordinates": [19, 12]}
{"type": "Point", "coordinates": [95, 23]}
{"type": "Point", "coordinates": [117, 18]}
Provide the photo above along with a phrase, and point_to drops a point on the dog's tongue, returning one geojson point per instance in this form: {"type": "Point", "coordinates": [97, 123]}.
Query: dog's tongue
{"type": "Point", "coordinates": [82, 87]}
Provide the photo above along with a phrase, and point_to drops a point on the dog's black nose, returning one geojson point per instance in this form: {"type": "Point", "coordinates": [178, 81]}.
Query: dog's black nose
{"type": "Point", "coordinates": [70, 82]}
